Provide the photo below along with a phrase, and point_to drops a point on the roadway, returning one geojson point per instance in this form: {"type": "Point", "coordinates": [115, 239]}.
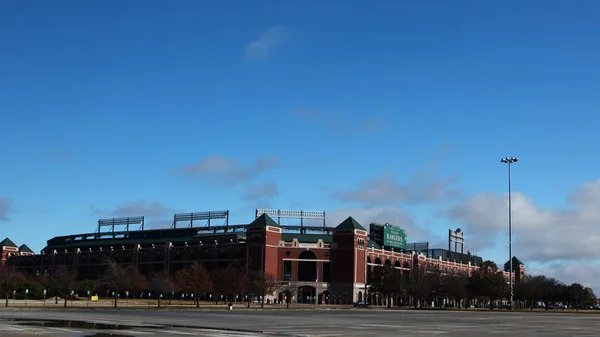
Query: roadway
{"type": "Point", "coordinates": [293, 323]}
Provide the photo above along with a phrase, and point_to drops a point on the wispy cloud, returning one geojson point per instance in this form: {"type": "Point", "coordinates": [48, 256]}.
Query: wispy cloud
{"type": "Point", "coordinates": [156, 215]}
{"type": "Point", "coordinates": [261, 48]}
{"type": "Point", "coordinates": [141, 207]}
{"type": "Point", "coordinates": [262, 192]}
{"type": "Point", "coordinates": [225, 171]}
{"type": "Point", "coordinates": [339, 122]}
{"type": "Point", "coordinates": [5, 205]}
{"type": "Point", "coordinates": [62, 155]}
{"type": "Point", "coordinates": [157, 223]}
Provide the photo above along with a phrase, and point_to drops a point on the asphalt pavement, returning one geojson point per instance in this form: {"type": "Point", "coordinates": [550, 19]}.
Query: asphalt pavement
{"type": "Point", "coordinates": [294, 323]}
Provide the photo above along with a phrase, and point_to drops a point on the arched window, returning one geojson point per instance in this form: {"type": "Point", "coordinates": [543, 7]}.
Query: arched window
{"type": "Point", "coordinates": [307, 255]}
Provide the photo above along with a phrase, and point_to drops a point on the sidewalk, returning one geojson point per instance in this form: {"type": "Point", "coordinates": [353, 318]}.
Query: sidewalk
{"type": "Point", "coordinates": [153, 304]}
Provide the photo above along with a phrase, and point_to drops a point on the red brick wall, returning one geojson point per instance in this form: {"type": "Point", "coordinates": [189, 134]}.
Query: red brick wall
{"type": "Point", "coordinates": [263, 249]}
{"type": "Point", "coordinates": [255, 238]}
{"type": "Point", "coordinates": [272, 261]}
{"type": "Point", "coordinates": [344, 264]}
{"type": "Point", "coordinates": [4, 251]}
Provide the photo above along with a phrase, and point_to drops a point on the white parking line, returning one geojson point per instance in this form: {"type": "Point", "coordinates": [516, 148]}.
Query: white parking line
{"type": "Point", "coordinates": [386, 325]}
{"type": "Point", "coordinates": [135, 333]}
{"type": "Point", "coordinates": [181, 332]}
{"type": "Point", "coordinates": [10, 328]}
{"type": "Point", "coordinates": [65, 330]}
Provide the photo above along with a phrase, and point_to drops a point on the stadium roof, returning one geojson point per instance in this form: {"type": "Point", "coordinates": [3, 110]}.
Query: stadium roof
{"type": "Point", "coordinates": [8, 243]}
{"type": "Point", "coordinates": [515, 261]}
{"type": "Point", "coordinates": [25, 249]}
{"type": "Point", "coordinates": [350, 223]}
{"type": "Point", "coordinates": [263, 221]}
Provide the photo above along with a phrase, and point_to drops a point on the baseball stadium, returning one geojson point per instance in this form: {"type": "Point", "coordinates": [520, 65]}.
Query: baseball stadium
{"type": "Point", "coordinates": [326, 263]}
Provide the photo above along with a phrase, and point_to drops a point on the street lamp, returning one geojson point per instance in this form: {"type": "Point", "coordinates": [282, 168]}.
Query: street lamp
{"type": "Point", "coordinates": [509, 161]}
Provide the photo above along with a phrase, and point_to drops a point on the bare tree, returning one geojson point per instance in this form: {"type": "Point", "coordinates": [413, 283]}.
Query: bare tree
{"type": "Point", "coordinates": [455, 287]}
{"type": "Point", "coordinates": [137, 281]}
{"type": "Point", "coordinates": [8, 280]}
{"type": "Point", "coordinates": [387, 281]}
{"type": "Point", "coordinates": [488, 282]}
{"type": "Point", "coordinates": [162, 283]}
{"type": "Point", "coordinates": [416, 284]}
{"type": "Point", "coordinates": [230, 281]}
{"type": "Point", "coordinates": [63, 282]}
{"type": "Point", "coordinates": [88, 285]}
{"type": "Point", "coordinates": [115, 278]}
{"type": "Point", "coordinates": [195, 279]}
{"type": "Point", "coordinates": [263, 286]}
{"type": "Point", "coordinates": [289, 289]}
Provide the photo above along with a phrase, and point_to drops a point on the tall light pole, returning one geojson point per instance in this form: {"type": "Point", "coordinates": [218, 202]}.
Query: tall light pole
{"type": "Point", "coordinates": [509, 161]}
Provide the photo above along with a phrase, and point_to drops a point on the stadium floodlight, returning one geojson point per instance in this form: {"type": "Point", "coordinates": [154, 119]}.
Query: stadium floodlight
{"type": "Point", "coordinates": [292, 214]}
{"type": "Point", "coordinates": [509, 161]}
{"type": "Point", "coordinates": [126, 221]}
{"type": "Point", "coordinates": [201, 216]}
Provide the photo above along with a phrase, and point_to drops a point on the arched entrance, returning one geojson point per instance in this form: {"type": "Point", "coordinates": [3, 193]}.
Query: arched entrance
{"type": "Point", "coordinates": [306, 294]}
{"type": "Point", "coordinates": [307, 270]}
{"type": "Point", "coordinates": [324, 297]}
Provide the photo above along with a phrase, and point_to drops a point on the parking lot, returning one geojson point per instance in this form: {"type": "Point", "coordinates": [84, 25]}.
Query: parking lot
{"type": "Point", "coordinates": [293, 323]}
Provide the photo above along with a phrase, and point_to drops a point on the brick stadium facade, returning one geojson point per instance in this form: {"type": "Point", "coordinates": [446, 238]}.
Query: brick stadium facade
{"type": "Point", "coordinates": [334, 262]}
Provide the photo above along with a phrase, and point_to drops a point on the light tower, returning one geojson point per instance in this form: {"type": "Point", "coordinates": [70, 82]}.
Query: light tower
{"type": "Point", "coordinates": [509, 161]}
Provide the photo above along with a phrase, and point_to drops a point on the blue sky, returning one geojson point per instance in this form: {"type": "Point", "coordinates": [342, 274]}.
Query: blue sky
{"type": "Point", "coordinates": [394, 111]}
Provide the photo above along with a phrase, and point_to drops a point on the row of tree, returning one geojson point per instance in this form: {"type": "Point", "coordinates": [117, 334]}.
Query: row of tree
{"type": "Point", "coordinates": [194, 279]}
{"type": "Point", "coordinates": [420, 287]}
{"type": "Point", "coordinates": [417, 287]}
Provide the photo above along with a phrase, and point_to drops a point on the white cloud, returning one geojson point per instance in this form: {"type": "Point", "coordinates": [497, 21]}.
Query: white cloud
{"type": "Point", "coordinates": [561, 242]}
{"type": "Point", "coordinates": [585, 273]}
{"type": "Point", "coordinates": [393, 215]}
{"type": "Point", "coordinates": [540, 234]}
{"type": "Point", "coordinates": [384, 189]}
{"type": "Point", "coordinates": [265, 45]}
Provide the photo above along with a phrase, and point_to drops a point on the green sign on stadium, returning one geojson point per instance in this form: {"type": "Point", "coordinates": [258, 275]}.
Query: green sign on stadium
{"type": "Point", "coordinates": [394, 237]}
